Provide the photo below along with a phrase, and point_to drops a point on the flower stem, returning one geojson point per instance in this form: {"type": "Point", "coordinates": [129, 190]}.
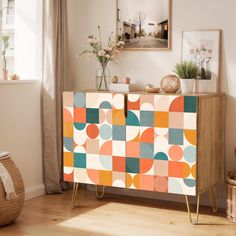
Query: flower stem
{"type": "Point", "coordinates": [103, 77]}
{"type": "Point", "coordinates": [100, 37]}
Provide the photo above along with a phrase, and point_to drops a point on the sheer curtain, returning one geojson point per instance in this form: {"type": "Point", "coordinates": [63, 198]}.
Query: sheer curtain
{"type": "Point", "coordinates": [54, 75]}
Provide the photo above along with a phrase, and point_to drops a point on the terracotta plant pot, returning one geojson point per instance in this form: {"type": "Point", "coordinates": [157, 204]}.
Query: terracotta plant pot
{"type": "Point", "coordinates": [4, 74]}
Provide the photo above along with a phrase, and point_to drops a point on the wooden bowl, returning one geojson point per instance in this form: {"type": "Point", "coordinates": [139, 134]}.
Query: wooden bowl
{"type": "Point", "coordinates": [152, 90]}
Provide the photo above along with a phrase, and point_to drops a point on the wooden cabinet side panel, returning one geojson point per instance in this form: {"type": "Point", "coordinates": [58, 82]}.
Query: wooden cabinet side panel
{"type": "Point", "coordinates": [210, 144]}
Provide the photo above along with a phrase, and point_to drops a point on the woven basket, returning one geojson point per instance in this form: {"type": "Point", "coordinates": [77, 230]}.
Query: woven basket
{"type": "Point", "coordinates": [231, 201]}
{"type": "Point", "coordinates": [10, 209]}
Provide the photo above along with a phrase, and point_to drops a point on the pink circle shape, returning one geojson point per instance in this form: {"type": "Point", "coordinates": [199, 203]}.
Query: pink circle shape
{"type": "Point", "coordinates": [175, 153]}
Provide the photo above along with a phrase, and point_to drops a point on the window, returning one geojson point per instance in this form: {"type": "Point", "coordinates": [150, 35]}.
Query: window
{"type": "Point", "coordinates": [21, 32]}
{"type": "Point", "coordinates": [8, 10]}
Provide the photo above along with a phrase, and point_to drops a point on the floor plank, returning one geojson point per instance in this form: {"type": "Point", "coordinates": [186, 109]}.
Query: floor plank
{"type": "Point", "coordinates": [113, 215]}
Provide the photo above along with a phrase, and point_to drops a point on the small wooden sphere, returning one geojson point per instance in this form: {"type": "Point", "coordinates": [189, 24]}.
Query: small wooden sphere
{"type": "Point", "coordinates": [114, 79]}
{"type": "Point", "coordinates": [170, 84]}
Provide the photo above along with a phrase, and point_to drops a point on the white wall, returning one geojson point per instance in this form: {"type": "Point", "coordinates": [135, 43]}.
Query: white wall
{"type": "Point", "coordinates": [1, 30]}
{"type": "Point", "coordinates": [20, 131]}
{"type": "Point", "coordinates": [150, 66]}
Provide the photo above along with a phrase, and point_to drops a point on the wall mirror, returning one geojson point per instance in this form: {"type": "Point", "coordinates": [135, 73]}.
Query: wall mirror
{"type": "Point", "coordinates": [144, 24]}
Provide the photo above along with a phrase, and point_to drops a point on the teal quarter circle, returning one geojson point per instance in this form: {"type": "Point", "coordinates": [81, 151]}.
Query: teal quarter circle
{"type": "Point", "coordinates": [132, 119]}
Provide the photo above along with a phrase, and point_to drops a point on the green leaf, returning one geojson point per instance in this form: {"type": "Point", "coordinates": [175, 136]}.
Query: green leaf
{"type": "Point", "coordinates": [186, 70]}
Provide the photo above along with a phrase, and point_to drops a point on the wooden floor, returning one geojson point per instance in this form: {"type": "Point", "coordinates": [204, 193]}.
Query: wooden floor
{"type": "Point", "coordinates": [113, 215]}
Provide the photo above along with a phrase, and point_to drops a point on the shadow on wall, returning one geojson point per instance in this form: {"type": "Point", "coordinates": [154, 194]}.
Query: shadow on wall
{"type": "Point", "coordinates": [230, 109]}
{"type": "Point", "coordinates": [230, 129]}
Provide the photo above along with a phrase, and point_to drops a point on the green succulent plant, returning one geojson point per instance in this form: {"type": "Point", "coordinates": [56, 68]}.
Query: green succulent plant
{"type": "Point", "coordinates": [186, 70]}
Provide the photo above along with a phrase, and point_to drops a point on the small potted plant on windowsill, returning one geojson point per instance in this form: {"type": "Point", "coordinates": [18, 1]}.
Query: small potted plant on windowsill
{"type": "Point", "coordinates": [5, 40]}
{"type": "Point", "coordinates": [187, 71]}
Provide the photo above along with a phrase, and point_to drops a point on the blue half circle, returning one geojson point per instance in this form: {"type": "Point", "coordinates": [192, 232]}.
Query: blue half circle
{"type": "Point", "coordinates": [105, 105]}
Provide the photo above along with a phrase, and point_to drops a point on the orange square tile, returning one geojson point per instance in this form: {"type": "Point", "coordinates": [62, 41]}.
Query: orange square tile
{"type": "Point", "coordinates": [68, 129]}
{"type": "Point", "coordinates": [118, 117]}
{"type": "Point", "coordinates": [105, 178]}
{"type": "Point", "coordinates": [68, 159]}
{"type": "Point", "coordinates": [176, 169]}
{"type": "Point", "coordinates": [161, 119]}
{"type": "Point", "coordinates": [132, 149]}
{"type": "Point", "coordinates": [147, 182]}
{"type": "Point", "coordinates": [118, 164]}
{"type": "Point", "coordinates": [80, 115]}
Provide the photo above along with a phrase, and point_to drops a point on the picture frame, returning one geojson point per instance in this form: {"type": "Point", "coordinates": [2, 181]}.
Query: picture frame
{"type": "Point", "coordinates": [203, 47]}
{"type": "Point", "coordinates": [144, 25]}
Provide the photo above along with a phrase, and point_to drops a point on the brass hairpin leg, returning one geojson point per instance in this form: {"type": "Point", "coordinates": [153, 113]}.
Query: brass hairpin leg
{"type": "Point", "coordinates": [212, 192]}
{"type": "Point", "coordinates": [197, 211]}
{"type": "Point", "coordinates": [99, 196]}
{"type": "Point", "coordinates": [74, 194]}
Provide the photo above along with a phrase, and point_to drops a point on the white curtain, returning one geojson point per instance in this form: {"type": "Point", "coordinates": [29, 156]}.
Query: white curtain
{"type": "Point", "coordinates": [54, 75]}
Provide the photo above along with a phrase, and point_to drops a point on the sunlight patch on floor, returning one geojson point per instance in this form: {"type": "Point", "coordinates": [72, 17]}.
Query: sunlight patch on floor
{"type": "Point", "coordinates": [121, 214]}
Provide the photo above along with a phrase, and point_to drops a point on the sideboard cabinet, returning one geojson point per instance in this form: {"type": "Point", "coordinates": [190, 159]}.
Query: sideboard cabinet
{"type": "Point", "coordinates": [153, 142]}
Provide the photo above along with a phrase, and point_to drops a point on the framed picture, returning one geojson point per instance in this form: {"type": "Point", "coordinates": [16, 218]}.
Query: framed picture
{"type": "Point", "coordinates": [144, 24]}
{"type": "Point", "coordinates": [203, 47]}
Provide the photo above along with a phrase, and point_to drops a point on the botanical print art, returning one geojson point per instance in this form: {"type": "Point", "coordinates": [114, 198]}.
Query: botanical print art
{"type": "Point", "coordinates": [203, 47]}
{"type": "Point", "coordinates": [202, 56]}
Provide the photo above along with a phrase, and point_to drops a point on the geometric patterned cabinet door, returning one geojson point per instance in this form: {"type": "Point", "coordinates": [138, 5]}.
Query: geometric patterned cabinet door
{"type": "Point", "coordinates": [138, 140]}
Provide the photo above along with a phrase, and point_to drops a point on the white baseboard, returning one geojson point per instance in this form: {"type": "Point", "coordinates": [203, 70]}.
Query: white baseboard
{"type": "Point", "coordinates": [34, 191]}
{"type": "Point", "coordinates": [204, 200]}
{"type": "Point", "coordinates": [39, 190]}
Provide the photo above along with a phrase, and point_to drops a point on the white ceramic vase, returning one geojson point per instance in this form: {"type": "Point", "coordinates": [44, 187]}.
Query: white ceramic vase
{"type": "Point", "coordinates": [186, 85]}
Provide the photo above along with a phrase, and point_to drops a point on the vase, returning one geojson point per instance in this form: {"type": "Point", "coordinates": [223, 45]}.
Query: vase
{"type": "Point", "coordinates": [201, 85]}
{"type": "Point", "coordinates": [186, 85]}
{"type": "Point", "coordinates": [4, 74]}
{"type": "Point", "coordinates": [102, 78]}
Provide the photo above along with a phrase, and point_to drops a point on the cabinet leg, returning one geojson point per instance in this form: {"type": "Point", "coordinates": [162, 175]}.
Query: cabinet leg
{"type": "Point", "coordinates": [74, 194]}
{"type": "Point", "coordinates": [212, 192]}
{"type": "Point", "coordinates": [99, 195]}
{"type": "Point", "coordinates": [194, 222]}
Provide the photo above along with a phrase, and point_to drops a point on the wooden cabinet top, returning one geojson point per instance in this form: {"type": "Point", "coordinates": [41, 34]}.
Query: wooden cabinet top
{"type": "Point", "coordinates": [207, 94]}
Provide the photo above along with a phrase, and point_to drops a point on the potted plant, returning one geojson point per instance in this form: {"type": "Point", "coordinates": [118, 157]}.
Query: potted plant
{"type": "Point", "coordinates": [5, 40]}
{"type": "Point", "coordinates": [187, 71]}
